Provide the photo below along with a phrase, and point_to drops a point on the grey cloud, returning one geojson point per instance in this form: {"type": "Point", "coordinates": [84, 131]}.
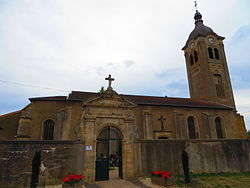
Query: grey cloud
{"type": "Point", "coordinates": [110, 64]}
{"type": "Point", "coordinates": [241, 34]}
{"type": "Point", "coordinates": [129, 63]}
{"type": "Point", "coordinates": [100, 71]}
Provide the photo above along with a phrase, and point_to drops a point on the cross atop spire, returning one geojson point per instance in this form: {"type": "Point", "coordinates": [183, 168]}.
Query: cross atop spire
{"type": "Point", "coordinates": [110, 81]}
{"type": "Point", "coordinates": [197, 16]}
{"type": "Point", "coordinates": [195, 5]}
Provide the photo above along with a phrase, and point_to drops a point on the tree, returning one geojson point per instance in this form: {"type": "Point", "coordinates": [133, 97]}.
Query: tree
{"type": "Point", "coordinates": [185, 166]}
{"type": "Point", "coordinates": [102, 90]}
{"type": "Point", "coordinates": [35, 169]}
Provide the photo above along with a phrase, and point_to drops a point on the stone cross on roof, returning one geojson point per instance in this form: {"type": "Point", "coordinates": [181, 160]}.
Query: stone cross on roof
{"type": "Point", "coordinates": [110, 80]}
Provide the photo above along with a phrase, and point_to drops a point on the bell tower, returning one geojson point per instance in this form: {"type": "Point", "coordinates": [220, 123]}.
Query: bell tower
{"type": "Point", "coordinates": [206, 63]}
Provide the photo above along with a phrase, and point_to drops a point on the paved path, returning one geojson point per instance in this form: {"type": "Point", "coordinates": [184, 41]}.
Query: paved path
{"type": "Point", "coordinates": [116, 183]}
{"type": "Point", "coordinates": [120, 183]}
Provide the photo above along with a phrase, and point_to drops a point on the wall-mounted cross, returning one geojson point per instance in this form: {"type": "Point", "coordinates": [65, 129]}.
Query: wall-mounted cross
{"type": "Point", "coordinates": [162, 119]}
{"type": "Point", "coordinates": [110, 80]}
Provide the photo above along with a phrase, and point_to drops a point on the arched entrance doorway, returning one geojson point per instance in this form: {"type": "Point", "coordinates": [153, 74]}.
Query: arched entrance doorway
{"type": "Point", "coordinates": [109, 154]}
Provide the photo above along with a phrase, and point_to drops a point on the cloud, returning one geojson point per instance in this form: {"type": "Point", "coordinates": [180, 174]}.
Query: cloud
{"type": "Point", "coordinates": [238, 56]}
{"type": "Point", "coordinates": [242, 101]}
{"type": "Point", "coordinates": [128, 63]}
{"type": "Point", "coordinates": [242, 34]}
{"type": "Point", "coordinates": [75, 45]}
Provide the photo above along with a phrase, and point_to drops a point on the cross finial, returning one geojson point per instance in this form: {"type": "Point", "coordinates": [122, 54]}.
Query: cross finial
{"type": "Point", "coordinates": [162, 119]}
{"type": "Point", "coordinates": [195, 5]}
{"type": "Point", "coordinates": [110, 80]}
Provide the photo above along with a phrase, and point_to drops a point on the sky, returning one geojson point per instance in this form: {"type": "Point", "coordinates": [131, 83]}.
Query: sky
{"type": "Point", "coordinates": [51, 47]}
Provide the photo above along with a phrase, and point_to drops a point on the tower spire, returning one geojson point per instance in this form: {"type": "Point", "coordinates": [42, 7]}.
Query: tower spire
{"type": "Point", "coordinates": [197, 16]}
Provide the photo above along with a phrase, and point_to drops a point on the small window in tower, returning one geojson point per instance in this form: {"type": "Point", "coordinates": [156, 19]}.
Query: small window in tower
{"type": "Point", "coordinates": [219, 85]}
{"type": "Point", "coordinates": [191, 60]}
{"type": "Point", "coordinates": [195, 57]}
{"type": "Point", "coordinates": [210, 53]}
{"type": "Point", "coordinates": [216, 52]}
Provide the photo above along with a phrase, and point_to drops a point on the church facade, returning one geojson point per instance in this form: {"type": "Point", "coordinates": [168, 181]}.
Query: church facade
{"type": "Point", "coordinates": [110, 123]}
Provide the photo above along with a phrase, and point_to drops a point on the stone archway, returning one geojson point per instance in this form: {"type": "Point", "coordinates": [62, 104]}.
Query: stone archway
{"type": "Point", "coordinates": [108, 154]}
{"type": "Point", "coordinates": [108, 110]}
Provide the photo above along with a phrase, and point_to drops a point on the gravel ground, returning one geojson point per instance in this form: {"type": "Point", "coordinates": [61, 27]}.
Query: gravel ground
{"type": "Point", "coordinates": [120, 183]}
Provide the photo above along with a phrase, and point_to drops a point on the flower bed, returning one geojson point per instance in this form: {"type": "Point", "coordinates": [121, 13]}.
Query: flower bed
{"type": "Point", "coordinates": [72, 181]}
{"type": "Point", "coordinates": [160, 177]}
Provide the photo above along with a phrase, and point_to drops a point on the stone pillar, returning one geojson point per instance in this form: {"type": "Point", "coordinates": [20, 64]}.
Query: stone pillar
{"type": "Point", "coordinates": [207, 125]}
{"type": "Point", "coordinates": [241, 126]}
{"type": "Point", "coordinates": [24, 127]}
{"type": "Point", "coordinates": [147, 125]}
{"type": "Point", "coordinates": [128, 149]}
{"type": "Point", "coordinates": [181, 129]}
{"type": "Point", "coordinates": [90, 155]}
{"type": "Point", "coordinates": [63, 124]}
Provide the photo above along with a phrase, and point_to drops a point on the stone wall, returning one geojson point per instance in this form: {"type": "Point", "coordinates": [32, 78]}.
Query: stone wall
{"type": "Point", "coordinates": [205, 156]}
{"type": "Point", "coordinates": [66, 157]}
{"type": "Point", "coordinates": [219, 156]}
{"type": "Point", "coordinates": [59, 157]}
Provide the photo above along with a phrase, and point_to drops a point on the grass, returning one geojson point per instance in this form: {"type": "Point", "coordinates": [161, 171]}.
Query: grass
{"type": "Point", "coordinates": [218, 180]}
{"type": "Point", "coordinates": [113, 168]}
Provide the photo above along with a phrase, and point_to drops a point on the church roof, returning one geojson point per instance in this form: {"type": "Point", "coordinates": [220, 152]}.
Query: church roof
{"type": "Point", "coordinates": [52, 98]}
{"type": "Point", "coordinates": [11, 113]}
{"type": "Point", "coordinates": [153, 100]}
{"type": "Point", "coordinates": [200, 30]}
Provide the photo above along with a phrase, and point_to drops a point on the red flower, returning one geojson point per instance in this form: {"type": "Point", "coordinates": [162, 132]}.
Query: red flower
{"type": "Point", "coordinates": [71, 179]}
{"type": "Point", "coordinates": [163, 174]}
{"type": "Point", "coordinates": [158, 172]}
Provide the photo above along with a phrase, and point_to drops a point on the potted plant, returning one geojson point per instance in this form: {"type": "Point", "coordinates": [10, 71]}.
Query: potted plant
{"type": "Point", "coordinates": [72, 181]}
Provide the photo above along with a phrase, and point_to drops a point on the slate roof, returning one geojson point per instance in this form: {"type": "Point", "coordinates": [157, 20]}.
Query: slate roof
{"type": "Point", "coordinates": [200, 30]}
{"type": "Point", "coordinates": [52, 98]}
{"type": "Point", "coordinates": [11, 113]}
{"type": "Point", "coordinates": [153, 100]}
{"type": "Point", "coordinates": [79, 96]}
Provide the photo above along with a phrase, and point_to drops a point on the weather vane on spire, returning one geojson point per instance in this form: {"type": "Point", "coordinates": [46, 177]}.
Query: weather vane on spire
{"type": "Point", "coordinates": [195, 5]}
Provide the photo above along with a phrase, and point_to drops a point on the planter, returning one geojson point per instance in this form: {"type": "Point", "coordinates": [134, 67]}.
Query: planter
{"type": "Point", "coordinates": [76, 185]}
{"type": "Point", "coordinates": [158, 180]}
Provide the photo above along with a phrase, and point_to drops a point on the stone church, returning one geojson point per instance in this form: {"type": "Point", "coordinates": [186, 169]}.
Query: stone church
{"type": "Point", "coordinates": [139, 129]}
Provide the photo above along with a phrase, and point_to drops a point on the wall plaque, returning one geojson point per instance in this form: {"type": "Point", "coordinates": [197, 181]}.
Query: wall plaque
{"type": "Point", "coordinates": [88, 148]}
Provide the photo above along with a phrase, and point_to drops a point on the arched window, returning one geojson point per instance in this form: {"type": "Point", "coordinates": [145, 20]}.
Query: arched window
{"type": "Point", "coordinates": [191, 60]}
{"type": "Point", "coordinates": [216, 53]}
{"type": "Point", "coordinates": [191, 127]}
{"type": "Point", "coordinates": [48, 129]}
{"type": "Point", "coordinates": [210, 53]}
{"type": "Point", "coordinates": [218, 127]}
{"type": "Point", "coordinates": [195, 57]}
{"type": "Point", "coordinates": [219, 85]}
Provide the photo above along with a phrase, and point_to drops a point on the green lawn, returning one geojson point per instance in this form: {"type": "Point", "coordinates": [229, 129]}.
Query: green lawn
{"type": "Point", "coordinates": [222, 180]}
